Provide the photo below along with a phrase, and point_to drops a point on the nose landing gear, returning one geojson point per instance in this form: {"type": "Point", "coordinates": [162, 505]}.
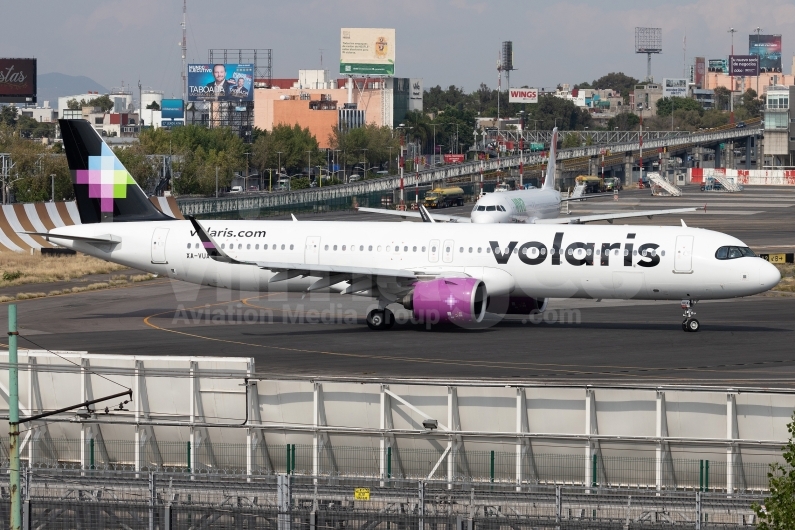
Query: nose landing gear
{"type": "Point", "coordinates": [689, 323]}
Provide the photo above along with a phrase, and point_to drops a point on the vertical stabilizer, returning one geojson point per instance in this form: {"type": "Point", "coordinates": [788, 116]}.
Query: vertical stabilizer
{"type": "Point", "coordinates": [549, 182]}
{"type": "Point", "coordinates": [104, 189]}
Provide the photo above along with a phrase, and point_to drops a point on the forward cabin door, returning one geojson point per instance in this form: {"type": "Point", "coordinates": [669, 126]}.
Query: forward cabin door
{"type": "Point", "coordinates": [683, 259]}
{"type": "Point", "coordinates": [159, 245]}
{"type": "Point", "coordinates": [312, 250]}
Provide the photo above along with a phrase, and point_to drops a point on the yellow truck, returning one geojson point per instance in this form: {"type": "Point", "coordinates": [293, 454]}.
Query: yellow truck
{"type": "Point", "coordinates": [444, 197]}
{"type": "Point", "coordinates": [592, 184]}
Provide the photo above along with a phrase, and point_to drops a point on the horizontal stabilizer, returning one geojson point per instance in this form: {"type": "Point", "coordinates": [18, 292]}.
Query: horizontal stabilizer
{"type": "Point", "coordinates": [104, 239]}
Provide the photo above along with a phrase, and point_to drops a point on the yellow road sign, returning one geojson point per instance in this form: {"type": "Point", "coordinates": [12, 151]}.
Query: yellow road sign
{"type": "Point", "coordinates": [777, 258]}
{"type": "Point", "coordinates": [361, 494]}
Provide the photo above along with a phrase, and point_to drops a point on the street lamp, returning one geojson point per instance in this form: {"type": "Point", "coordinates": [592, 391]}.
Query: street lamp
{"type": "Point", "coordinates": [364, 161]}
{"type": "Point", "coordinates": [279, 168]}
{"type": "Point", "coordinates": [52, 197]}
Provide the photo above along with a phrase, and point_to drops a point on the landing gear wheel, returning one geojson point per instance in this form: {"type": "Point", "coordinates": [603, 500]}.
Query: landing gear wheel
{"type": "Point", "coordinates": [692, 325]}
{"type": "Point", "coordinates": [376, 320]}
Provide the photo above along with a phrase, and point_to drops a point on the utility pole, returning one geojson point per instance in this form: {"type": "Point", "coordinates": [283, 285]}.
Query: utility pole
{"type": "Point", "coordinates": [52, 196]}
{"type": "Point", "coordinates": [13, 420]}
{"type": "Point", "coordinates": [731, 90]}
{"type": "Point", "coordinates": [216, 182]}
{"type": "Point", "coordinates": [758, 30]}
{"type": "Point", "coordinates": [184, 51]}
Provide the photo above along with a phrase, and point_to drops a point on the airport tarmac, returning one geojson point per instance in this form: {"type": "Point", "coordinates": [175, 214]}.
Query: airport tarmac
{"type": "Point", "coordinates": [743, 342]}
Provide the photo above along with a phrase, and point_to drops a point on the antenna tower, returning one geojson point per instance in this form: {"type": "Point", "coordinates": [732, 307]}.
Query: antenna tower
{"type": "Point", "coordinates": [184, 51]}
{"type": "Point", "coordinates": [648, 41]}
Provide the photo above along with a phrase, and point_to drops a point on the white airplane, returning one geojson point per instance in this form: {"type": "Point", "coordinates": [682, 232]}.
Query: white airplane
{"type": "Point", "coordinates": [537, 205]}
{"type": "Point", "coordinates": [440, 272]}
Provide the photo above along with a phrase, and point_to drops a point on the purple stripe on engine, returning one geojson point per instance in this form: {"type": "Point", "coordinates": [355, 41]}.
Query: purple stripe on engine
{"type": "Point", "coordinates": [208, 244]}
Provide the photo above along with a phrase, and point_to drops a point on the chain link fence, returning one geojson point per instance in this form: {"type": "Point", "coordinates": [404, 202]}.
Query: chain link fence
{"type": "Point", "coordinates": [90, 500]}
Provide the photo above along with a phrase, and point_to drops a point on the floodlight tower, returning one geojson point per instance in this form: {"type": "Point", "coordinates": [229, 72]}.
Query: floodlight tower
{"type": "Point", "coordinates": [648, 41]}
{"type": "Point", "coordinates": [506, 61]}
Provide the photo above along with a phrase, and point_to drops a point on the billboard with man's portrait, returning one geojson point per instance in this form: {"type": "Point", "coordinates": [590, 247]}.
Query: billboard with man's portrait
{"type": "Point", "coordinates": [221, 82]}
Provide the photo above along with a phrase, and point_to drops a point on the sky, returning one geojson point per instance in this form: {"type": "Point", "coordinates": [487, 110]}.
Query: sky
{"type": "Point", "coordinates": [445, 42]}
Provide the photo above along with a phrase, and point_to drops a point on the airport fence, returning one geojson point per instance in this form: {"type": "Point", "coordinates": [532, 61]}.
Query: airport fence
{"type": "Point", "coordinates": [162, 501]}
{"type": "Point", "coordinates": [468, 466]}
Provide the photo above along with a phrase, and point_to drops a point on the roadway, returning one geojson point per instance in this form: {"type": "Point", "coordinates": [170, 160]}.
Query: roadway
{"type": "Point", "coordinates": [744, 342]}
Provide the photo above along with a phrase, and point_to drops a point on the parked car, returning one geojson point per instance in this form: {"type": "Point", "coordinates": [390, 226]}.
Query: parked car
{"type": "Point", "coordinates": [236, 189]}
{"type": "Point", "coordinates": [740, 125]}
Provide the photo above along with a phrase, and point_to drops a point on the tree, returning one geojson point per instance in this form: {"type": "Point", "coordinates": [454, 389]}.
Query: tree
{"type": "Point", "coordinates": [371, 144]}
{"type": "Point", "coordinates": [667, 105]}
{"type": "Point", "coordinates": [73, 104]}
{"type": "Point", "coordinates": [8, 115]}
{"type": "Point", "coordinates": [153, 106]}
{"type": "Point", "coordinates": [778, 509]}
{"type": "Point", "coordinates": [722, 98]}
{"type": "Point", "coordinates": [572, 140]}
{"type": "Point", "coordinates": [103, 102]}
{"type": "Point", "coordinates": [750, 105]}
{"type": "Point", "coordinates": [619, 81]}
{"type": "Point", "coordinates": [568, 116]}
{"type": "Point", "coordinates": [293, 143]}
{"type": "Point", "coordinates": [626, 121]}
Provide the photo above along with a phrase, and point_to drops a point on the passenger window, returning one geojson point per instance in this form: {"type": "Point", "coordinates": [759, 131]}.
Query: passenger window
{"type": "Point", "coordinates": [326, 247]}
{"type": "Point", "coordinates": [470, 250]}
{"type": "Point", "coordinates": [343, 247]}
{"type": "Point", "coordinates": [405, 249]}
{"type": "Point", "coordinates": [240, 246]}
{"type": "Point", "coordinates": [597, 252]}
{"type": "Point", "coordinates": [282, 246]}
{"type": "Point", "coordinates": [414, 249]}
{"type": "Point", "coordinates": [370, 248]}
{"type": "Point", "coordinates": [265, 246]}
{"type": "Point", "coordinates": [361, 248]}
{"type": "Point", "coordinates": [189, 245]}
{"type": "Point", "coordinates": [447, 249]}
{"type": "Point", "coordinates": [634, 252]}
{"type": "Point", "coordinates": [335, 247]}
{"type": "Point", "coordinates": [379, 248]}
{"type": "Point", "coordinates": [423, 249]}
{"type": "Point", "coordinates": [461, 250]}
{"type": "Point", "coordinates": [662, 253]}
{"type": "Point", "coordinates": [588, 252]}
{"type": "Point", "coordinates": [291, 247]}
{"type": "Point", "coordinates": [479, 249]}
{"type": "Point", "coordinates": [223, 246]}
{"type": "Point", "coordinates": [626, 252]}
{"type": "Point", "coordinates": [488, 250]}
{"type": "Point", "coordinates": [256, 247]}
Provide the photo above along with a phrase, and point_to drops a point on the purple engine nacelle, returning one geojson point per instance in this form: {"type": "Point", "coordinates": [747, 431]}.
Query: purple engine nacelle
{"type": "Point", "coordinates": [448, 300]}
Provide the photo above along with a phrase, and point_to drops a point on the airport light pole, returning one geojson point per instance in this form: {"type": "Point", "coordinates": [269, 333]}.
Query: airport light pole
{"type": "Point", "coordinates": [52, 177]}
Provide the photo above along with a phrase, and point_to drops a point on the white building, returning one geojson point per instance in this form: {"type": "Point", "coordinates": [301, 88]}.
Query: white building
{"type": "Point", "coordinates": [43, 114]}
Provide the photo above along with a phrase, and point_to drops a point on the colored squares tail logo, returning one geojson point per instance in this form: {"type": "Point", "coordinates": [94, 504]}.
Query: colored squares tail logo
{"type": "Point", "coordinates": [106, 177]}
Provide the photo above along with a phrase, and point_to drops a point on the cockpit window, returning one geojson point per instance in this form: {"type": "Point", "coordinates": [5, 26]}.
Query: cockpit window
{"type": "Point", "coordinates": [500, 208]}
{"type": "Point", "coordinates": [481, 208]}
{"type": "Point", "coordinates": [491, 208]}
{"type": "Point", "coordinates": [734, 253]}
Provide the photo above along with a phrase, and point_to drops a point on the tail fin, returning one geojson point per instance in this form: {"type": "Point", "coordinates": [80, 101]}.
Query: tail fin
{"type": "Point", "coordinates": [549, 182]}
{"type": "Point", "coordinates": [104, 189]}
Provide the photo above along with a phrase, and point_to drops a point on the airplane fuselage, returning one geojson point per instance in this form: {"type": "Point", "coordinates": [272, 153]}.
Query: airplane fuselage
{"type": "Point", "coordinates": [509, 206]}
{"type": "Point", "coordinates": [544, 261]}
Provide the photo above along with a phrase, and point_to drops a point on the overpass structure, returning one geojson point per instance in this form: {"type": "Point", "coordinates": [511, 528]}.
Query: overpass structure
{"type": "Point", "coordinates": [218, 415]}
{"type": "Point", "coordinates": [624, 151]}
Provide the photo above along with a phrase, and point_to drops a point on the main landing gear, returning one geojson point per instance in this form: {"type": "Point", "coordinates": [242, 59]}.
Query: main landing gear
{"type": "Point", "coordinates": [689, 323]}
{"type": "Point", "coordinates": [380, 319]}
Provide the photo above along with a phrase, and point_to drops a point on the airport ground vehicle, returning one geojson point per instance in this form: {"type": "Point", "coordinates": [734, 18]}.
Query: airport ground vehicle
{"type": "Point", "coordinates": [592, 184]}
{"type": "Point", "coordinates": [613, 183]}
{"type": "Point", "coordinates": [444, 197]}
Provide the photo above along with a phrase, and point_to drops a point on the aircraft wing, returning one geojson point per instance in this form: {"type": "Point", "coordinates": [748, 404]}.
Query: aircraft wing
{"type": "Point", "coordinates": [610, 217]}
{"type": "Point", "coordinates": [417, 215]}
{"type": "Point", "coordinates": [361, 278]}
{"type": "Point", "coordinates": [586, 197]}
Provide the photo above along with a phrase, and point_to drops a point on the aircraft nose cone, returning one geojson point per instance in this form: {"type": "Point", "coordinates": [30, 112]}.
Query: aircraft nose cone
{"type": "Point", "coordinates": [769, 275]}
{"type": "Point", "coordinates": [481, 218]}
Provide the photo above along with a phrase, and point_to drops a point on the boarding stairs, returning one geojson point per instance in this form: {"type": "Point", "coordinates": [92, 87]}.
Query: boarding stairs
{"type": "Point", "coordinates": [728, 184]}
{"type": "Point", "coordinates": [661, 187]}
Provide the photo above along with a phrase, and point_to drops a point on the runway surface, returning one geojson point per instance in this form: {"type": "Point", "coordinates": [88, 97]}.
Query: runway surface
{"type": "Point", "coordinates": [745, 342]}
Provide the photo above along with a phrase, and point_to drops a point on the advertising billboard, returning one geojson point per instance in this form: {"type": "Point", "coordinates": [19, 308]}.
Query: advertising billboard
{"type": "Point", "coordinates": [523, 95]}
{"type": "Point", "coordinates": [454, 159]}
{"type": "Point", "coordinates": [172, 109]}
{"type": "Point", "coordinates": [369, 51]}
{"type": "Point", "coordinates": [768, 49]}
{"type": "Point", "coordinates": [701, 71]}
{"type": "Point", "coordinates": [743, 65]}
{"type": "Point", "coordinates": [720, 66]}
{"type": "Point", "coordinates": [220, 82]}
{"type": "Point", "coordinates": [674, 88]}
{"type": "Point", "coordinates": [17, 80]}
